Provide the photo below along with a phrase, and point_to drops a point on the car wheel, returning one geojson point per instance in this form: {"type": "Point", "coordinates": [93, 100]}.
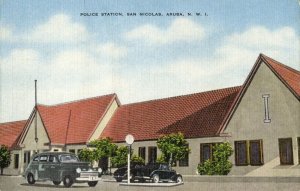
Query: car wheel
{"type": "Point", "coordinates": [30, 178]}
{"type": "Point", "coordinates": [155, 178]}
{"type": "Point", "coordinates": [119, 179]}
{"type": "Point", "coordinates": [56, 182]}
{"type": "Point", "coordinates": [68, 181]}
{"type": "Point", "coordinates": [92, 184]}
{"type": "Point", "coordinates": [179, 179]}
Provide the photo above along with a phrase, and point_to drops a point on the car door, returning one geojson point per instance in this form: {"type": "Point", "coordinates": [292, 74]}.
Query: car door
{"type": "Point", "coordinates": [52, 168]}
{"type": "Point", "coordinates": [42, 167]}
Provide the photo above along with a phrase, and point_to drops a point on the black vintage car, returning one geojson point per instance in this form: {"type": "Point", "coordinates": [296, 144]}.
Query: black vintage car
{"type": "Point", "coordinates": [155, 172]}
{"type": "Point", "coordinates": [61, 167]}
{"type": "Point", "coordinates": [121, 173]}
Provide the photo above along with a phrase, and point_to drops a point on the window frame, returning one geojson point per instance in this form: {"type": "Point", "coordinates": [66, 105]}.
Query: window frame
{"type": "Point", "coordinates": [261, 162]}
{"type": "Point", "coordinates": [150, 148]}
{"type": "Point", "coordinates": [236, 153]}
{"type": "Point", "coordinates": [16, 161]}
{"type": "Point", "coordinates": [202, 150]}
{"type": "Point", "coordinates": [281, 141]}
{"type": "Point", "coordinates": [142, 152]}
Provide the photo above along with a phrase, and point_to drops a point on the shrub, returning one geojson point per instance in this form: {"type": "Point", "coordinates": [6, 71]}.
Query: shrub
{"type": "Point", "coordinates": [220, 164]}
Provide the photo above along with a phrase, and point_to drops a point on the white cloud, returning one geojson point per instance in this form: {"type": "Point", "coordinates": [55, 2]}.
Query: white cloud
{"type": "Point", "coordinates": [111, 50]}
{"type": "Point", "coordinates": [181, 29]}
{"type": "Point", "coordinates": [59, 28]}
{"type": "Point", "coordinates": [5, 33]}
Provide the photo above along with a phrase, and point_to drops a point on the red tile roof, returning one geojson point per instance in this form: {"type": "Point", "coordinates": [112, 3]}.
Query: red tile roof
{"type": "Point", "coordinates": [195, 115]}
{"type": "Point", "coordinates": [74, 122]}
{"type": "Point", "coordinates": [10, 132]}
{"type": "Point", "coordinates": [289, 75]}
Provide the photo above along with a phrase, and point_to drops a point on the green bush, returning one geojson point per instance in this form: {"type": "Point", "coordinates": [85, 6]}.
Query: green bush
{"type": "Point", "coordinates": [86, 155]}
{"type": "Point", "coordinates": [137, 159]}
{"type": "Point", "coordinates": [220, 164]}
{"type": "Point", "coordinates": [4, 157]}
{"type": "Point", "coordinates": [120, 157]}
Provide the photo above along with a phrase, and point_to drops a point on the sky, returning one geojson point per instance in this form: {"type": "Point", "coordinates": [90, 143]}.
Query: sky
{"type": "Point", "coordinates": [137, 57]}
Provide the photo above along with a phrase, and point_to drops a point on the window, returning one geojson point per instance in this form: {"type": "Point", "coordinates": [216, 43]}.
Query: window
{"type": "Point", "coordinates": [16, 165]}
{"type": "Point", "coordinates": [142, 152]}
{"type": "Point", "coordinates": [286, 151]}
{"type": "Point", "coordinates": [36, 158]}
{"type": "Point", "coordinates": [206, 152]}
{"type": "Point", "coordinates": [43, 158]}
{"type": "Point", "coordinates": [72, 151]}
{"type": "Point", "coordinates": [256, 152]}
{"type": "Point", "coordinates": [299, 150]}
{"type": "Point", "coordinates": [152, 154]}
{"type": "Point", "coordinates": [52, 159]}
{"type": "Point", "coordinates": [266, 106]}
{"type": "Point", "coordinates": [184, 161]}
{"type": "Point", "coordinates": [241, 153]}
{"type": "Point", "coordinates": [55, 150]}
{"type": "Point", "coordinates": [25, 157]}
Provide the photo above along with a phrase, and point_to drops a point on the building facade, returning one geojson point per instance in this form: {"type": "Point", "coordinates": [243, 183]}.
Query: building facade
{"type": "Point", "coordinates": [260, 119]}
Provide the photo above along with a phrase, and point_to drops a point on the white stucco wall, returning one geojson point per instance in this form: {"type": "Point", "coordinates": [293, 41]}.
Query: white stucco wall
{"type": "Point", "coordinates": [248, 123]}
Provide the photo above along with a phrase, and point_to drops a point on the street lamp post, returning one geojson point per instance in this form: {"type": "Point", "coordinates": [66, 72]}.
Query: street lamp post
{"type": "Point", "coordinates": [129, 140]}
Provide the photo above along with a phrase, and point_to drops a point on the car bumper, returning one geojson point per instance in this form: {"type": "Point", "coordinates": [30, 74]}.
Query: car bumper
{"type": "Point", "coordinates": [88, 179]}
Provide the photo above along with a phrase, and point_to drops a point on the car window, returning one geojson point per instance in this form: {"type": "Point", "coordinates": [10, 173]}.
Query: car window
{"type": "Point", "coordinates": [36, 158]}
{"type": "Point", "coordinates": [68, 158]}
{"type": "Point", "coordinates": [43, 158]}
{"type": "Point", "coordinates": [52, 159]}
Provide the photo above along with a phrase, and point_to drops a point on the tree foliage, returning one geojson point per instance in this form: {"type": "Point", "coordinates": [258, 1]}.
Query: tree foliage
{"type": "Point", "coordinates": [220, 164]}
{"type": "Point", "coordinates": [86, 155]}
{"type": "Point", "coordinates": [137, 159]}
{"type": "Point", "coordinates": [103, 148]}
{"type": "Point", "coordinates": [4, 157]}
{"type": "Point", "coordinates": [120, 157]}
{"type": "Point", "coordinates": [173, 147]}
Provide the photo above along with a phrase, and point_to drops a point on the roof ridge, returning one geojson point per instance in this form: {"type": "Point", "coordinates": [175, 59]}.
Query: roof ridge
{"type": "Point", "coordinates": [281, 64]}
{"type": "Point", "coordinates": [172, 97]}
{"type": "Point", "coordinates": [79, 100]}
{"type": "Point", "coordinates": [13, 121]}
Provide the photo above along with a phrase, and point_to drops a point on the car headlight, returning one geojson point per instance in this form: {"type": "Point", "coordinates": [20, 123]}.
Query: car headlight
{"type": "Point", "coordinates": [99, 170]}
{"type": "Point", "coordinates": [78, 170]}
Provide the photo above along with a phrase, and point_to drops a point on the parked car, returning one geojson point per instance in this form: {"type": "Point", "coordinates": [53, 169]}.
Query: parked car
{"type": "Point", "coordinates": [155, 172]}
{"type": "Point", "coordinates": [61, 167]}
{"type": "Point", "coordinates": [121, 173]}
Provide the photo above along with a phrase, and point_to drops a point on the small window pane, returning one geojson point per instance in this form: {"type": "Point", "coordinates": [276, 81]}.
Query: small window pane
{"type": "Point", "coordinates": [43, 158]}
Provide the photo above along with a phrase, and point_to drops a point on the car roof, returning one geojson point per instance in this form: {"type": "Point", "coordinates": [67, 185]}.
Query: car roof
{"type": "Point", "coordinates": [53, 153]}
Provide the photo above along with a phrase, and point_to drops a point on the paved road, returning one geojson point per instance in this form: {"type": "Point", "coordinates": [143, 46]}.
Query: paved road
{"type": "Point", "coordinates": [12, 183]}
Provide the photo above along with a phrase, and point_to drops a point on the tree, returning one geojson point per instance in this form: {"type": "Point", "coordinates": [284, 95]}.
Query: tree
{"type": "Point", "coordinates": [4, 157]}
{"type": "Point", "coordinates": [120, 158]}
{"type": "Point", "coordinates": [220, 164]}
{"type": "Point", "coordinates": [173, 147]}
{"type": "Point", "coordinates": [103, 148]}
{"type": "Point", "coordinates": [86, 155]}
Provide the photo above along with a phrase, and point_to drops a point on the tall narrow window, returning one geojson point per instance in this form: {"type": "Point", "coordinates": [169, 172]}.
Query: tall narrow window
{"type": "Point", "coordinates": [16, 161]}
{"type": "Point", "coordinates": [142, 152]}
{"type": "Point", "coordinates": [299, 150]}
{"type": "Point", "coordinates": [185, 160]}
{"type": "Point", "coordinates": [205, 152]}
{"type": "Point", "coordinates": [152, 154]}
{"type": "Point", "coordinates": [286, 151]}
{"type": "Point", "coordinates": [256, 152]}
{"type": "Point", "coordinates": [241, 153]}
{"type": "Point", "coordinates": [266, 105]}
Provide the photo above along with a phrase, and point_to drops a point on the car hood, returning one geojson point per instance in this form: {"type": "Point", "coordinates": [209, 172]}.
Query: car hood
{"type": "Point", "coordinates": [82, 165]}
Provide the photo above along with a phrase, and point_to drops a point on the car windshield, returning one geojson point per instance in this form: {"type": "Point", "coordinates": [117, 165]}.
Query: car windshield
{"type": "Point", "coordinates": [68, 158]}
